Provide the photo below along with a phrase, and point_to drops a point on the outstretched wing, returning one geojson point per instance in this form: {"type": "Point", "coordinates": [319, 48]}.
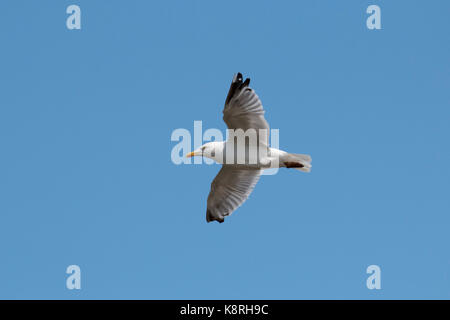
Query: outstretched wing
{"type": "Point", "coordinates": [229, 190]}
{"type": "Point", "coordinates": [243, 109]}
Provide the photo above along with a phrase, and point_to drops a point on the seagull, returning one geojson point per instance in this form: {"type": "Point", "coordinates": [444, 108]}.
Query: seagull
{"type": "Point", "coordinates": [244, 154]}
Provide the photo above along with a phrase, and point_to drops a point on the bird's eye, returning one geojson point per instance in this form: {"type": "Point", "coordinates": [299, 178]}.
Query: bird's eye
{"type": "Point", "coordinates": [203, 149]}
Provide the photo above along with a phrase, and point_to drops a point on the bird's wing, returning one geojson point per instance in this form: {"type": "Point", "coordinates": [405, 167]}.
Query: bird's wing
{"type": "Point", "coordinates": [243, 109]}
{"type": "Point", "coordinates": [229, 190]}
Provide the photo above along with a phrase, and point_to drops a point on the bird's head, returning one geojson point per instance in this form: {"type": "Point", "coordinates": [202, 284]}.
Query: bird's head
{"type": "Point", "coordinates": [208, 150]}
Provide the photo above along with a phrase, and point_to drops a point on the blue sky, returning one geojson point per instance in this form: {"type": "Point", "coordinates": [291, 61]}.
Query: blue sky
{"type": "Point", "coordinates": [86, 176]}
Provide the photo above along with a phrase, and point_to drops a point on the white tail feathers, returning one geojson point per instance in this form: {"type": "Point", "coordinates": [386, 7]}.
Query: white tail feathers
{"type": "Point", "coordinates": [300, 162]}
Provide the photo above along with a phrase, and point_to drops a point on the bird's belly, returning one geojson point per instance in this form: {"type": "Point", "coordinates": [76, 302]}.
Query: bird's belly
{"type": "Point", "coordinates": [245, 156]}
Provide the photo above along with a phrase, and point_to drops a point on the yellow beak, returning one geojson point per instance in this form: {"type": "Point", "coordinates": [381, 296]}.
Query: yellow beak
{"type": "Point", "coordinates": [190, 154]}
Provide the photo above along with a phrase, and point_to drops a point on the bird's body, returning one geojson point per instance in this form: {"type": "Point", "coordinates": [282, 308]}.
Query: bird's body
{"type": "Point", "coordinates": [245, 153]}
{"type": "Point", "coordinates": [273, 158]}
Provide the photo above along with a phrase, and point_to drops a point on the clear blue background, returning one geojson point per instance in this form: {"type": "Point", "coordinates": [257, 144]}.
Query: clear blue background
{"type": "Point", "coordinates": [86, 176]}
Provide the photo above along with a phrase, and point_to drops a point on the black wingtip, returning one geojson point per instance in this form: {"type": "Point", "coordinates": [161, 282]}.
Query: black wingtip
{"type": "Point", "coordinates": [245, 83]}
{"type": "Point", "coordinates": [237, 83]}
{"type": "Point", "coordinates": [210, 218]}
{"type": "Point", "coordinates": [237, 78]}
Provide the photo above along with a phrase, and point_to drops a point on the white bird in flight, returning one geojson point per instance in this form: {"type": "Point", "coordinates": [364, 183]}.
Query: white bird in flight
{"type": "Point", "coordinates": [245, 153]}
